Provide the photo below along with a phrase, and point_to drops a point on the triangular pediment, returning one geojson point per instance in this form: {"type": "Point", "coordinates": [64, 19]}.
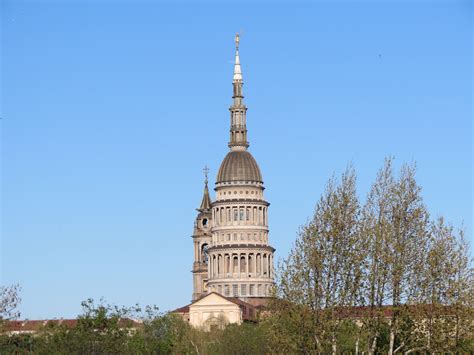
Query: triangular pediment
{"type": "Point", "coordinates": [212, 299]}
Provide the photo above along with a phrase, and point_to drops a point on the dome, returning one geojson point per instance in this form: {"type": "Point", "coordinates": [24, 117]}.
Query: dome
{"type": "Point", "coordinates": [239, 166]}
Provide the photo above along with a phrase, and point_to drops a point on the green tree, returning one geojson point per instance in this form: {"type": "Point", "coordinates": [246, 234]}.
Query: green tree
{"type": "Point", "coordinates": [319, 282]}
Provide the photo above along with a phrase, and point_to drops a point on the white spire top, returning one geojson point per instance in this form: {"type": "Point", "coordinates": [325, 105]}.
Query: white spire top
{"type": "Point", "coordinates": [237, 70]}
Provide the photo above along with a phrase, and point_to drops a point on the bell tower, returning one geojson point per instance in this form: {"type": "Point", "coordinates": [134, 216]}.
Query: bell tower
{"type": "Point", "coordinates": [202, 240]}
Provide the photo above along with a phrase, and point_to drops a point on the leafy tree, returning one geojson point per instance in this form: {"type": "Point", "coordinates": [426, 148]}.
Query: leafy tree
{"type": "Point", "coordinates": [379, 278]}
{"type": "Point", "coordinates": [320, 279]}
{"type": "Point", "coordinates": [9, 301]}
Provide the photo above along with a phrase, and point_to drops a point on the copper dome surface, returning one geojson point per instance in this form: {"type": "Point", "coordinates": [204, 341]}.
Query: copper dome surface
{"type": "Point", "coordinates": [239, 166]}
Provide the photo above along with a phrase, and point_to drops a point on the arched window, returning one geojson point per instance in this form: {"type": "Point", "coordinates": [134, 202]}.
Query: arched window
{"type": "Point", "coordinates": [204, 253]}
{"type": "Point", "coordinates": [242, 264]}
{"type": "Point", "coordinates": [235, 266]}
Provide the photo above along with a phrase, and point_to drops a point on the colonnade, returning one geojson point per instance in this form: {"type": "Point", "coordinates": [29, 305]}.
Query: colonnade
{"type": "Point", "coordinates": [241, 265]}
{"type": "Point", "coordinates": [240, 215]}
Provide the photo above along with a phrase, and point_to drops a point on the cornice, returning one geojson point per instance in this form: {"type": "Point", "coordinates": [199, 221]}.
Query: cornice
{"type": "Point", "coordinates": [240, 247]}
{"type": "Point", "coordinates": [240, 201]}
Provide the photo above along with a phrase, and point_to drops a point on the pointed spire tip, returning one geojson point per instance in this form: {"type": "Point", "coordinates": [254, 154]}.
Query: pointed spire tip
{"type": "Point", "coordinates": [206, 199]}
{"type": "Point", "coordinates": [237, 69]}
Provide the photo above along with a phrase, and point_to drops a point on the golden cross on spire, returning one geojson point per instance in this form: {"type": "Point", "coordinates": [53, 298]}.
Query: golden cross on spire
{"type": "Point", "coordinates": [206, 171]}
{"type": "Point", "coordinates": [237, 40]}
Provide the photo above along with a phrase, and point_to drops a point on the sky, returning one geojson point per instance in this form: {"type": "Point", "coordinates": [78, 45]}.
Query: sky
{"type": "Point", "coordinates": [110, 110]}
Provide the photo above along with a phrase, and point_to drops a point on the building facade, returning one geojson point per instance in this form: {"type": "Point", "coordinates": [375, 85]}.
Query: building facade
{"type": "Point", "coordinates": [232, 255]}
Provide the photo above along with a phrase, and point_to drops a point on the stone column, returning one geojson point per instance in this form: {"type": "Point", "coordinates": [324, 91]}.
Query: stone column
{"type": "Point", "coordinates": [254, 264]}
{"type": "Point", "coordinates": [246, 264]}
{"type": "Point", "coordinates": [221, 265]}
{"type": "Point", "coordinates": [271, 265]}
{"type": "Point", "coordinates": [238, 271]}
{"type": "Point", "coordinates": [226, 264]}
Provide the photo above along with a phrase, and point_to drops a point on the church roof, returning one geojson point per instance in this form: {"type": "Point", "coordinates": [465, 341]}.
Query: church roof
{"type": "Point", "coordinates": [239, 165]}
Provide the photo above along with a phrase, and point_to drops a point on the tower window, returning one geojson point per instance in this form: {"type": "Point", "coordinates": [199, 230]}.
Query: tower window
{"type": "Point", "coordinates": [235, 265]}
{"type": "Point", "coordinates": [204, 253]}
{"type": "Point", "coordinates": [204, 222]}
{"type": "Point", "coordinates": [242, 264]}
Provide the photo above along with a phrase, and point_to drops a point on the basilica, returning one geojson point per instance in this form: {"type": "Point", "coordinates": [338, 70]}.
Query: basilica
{"type": "Point", "coordinates": [233, 270]}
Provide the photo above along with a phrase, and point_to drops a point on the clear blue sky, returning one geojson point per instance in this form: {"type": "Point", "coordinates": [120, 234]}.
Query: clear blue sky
{"type": "Point", "coordinates": [111, 109]}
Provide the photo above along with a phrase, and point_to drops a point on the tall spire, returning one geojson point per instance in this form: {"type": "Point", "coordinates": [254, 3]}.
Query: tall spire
{"type": "Point", "coordinates": [238, 127]}
{"type": "Point", "coordinates": [237, 69]}
{"type": "Point", "coordinates": [206, 200]}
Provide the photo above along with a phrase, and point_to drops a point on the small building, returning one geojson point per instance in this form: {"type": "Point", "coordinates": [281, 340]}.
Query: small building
{"type": "Point", "coordinates": [214, 311]}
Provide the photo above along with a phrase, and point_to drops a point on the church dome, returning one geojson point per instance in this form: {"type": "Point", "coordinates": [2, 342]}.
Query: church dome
{"type": "Point", "coordinates": [239, 166]}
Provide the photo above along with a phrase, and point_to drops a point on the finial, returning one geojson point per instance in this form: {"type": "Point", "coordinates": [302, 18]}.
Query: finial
{"type": "Point", "coordinates": [206, 171]}
{"type": "Point", "coordinates": [237, 70]}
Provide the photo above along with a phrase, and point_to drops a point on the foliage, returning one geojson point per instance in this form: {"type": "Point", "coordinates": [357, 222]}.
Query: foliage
{"type": "Point", "coordinates": [378, 276]}
{"type": "Point", "coordinates": [9, 301]}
